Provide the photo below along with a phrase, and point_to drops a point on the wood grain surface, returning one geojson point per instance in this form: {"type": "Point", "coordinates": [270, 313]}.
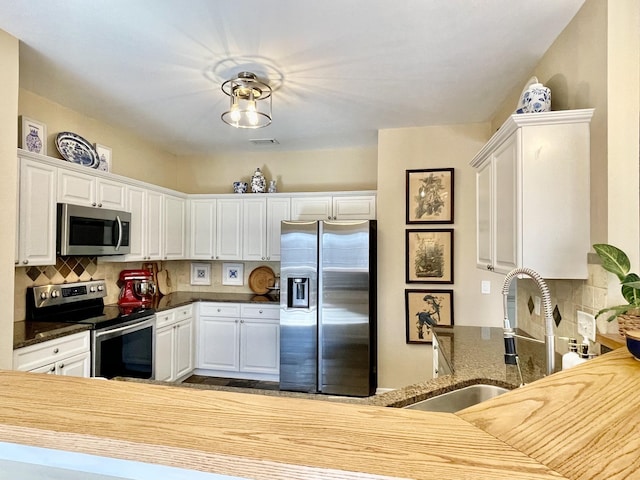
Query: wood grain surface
{"type": "Point", "coordinates": [251, 435]}
{"type": "Point", "coordinates": [583, 422]}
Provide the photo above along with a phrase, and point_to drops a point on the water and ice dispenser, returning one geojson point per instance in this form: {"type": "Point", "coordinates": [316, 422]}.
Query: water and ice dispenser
{"type": "Point", "coordinates": [298, 292]}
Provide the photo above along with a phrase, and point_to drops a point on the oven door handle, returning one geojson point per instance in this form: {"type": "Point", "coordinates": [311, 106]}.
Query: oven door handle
{"type": "Point", "coordinates": [121, 329]}
{"type": "Point", "coordinates": [119, 232]}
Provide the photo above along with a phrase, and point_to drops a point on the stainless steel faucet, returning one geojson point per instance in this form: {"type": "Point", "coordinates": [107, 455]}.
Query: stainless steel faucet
{"type": "Point", "coordinates": [510, 356]}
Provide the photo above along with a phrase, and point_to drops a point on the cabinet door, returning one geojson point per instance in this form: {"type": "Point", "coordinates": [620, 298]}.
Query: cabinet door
{"type": "Point", "coordinates": [37, 217]}
{"type": "Point", "coordinates": [484, 236]}
{"type": "Point", "coordinates": [183, 350]}
{"type": "Point", "coordinates": [506, 206]}
{"type": "Point", "coordinates": [174, 228]}
{"type": "Point", "coordinates": [202, 229]}
{"type": "Point", "coordinates": [354, 207]}
{"type": "Point", "coordinates": [228, 229]}
{"type": "Point", "coordinates": [259, 346]}
{"type": "Point", "coordinates": [76, 188]}
{"type": "Point", "coordinates": [218, 343]}
{"type": "Point", "coordinates": [154, 226]}
{"type": "Point", "coordinates": [76, 366]}
{"type": "Point", "coordinates": [254, 240]}
{"type": "Point", "coordinates": [278, 209]}
{"type": "Point", "coordinates": [137, 203]}
{"type": "Point", "coordinates": [311, 208]}
{"type": "Point", "coordinates": [111, 195]}
{"type": "Point", "coordinates": [164, 359]}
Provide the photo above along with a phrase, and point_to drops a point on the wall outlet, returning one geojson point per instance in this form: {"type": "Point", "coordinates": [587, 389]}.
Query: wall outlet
{"type": "Point", "coordinates": [485, 287]}
{"type": "Point", "coordinates": [587, 325]}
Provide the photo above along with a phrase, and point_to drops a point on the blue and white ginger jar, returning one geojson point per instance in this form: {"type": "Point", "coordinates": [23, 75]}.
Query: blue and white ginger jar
{"type": "Point", "coordinates": [535, 99]}
{"type": "Point", "coordinates": [258, 183]}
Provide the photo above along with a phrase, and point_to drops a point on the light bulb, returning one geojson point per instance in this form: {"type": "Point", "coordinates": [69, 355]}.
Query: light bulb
{"type": "Point", "coordinates": [252, 114]}
{"type": "Point", "coordinates": [234, 113]}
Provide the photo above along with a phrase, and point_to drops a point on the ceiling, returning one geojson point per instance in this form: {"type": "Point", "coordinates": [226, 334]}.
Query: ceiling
{"type": "Point", "coordinates": [341, 69]}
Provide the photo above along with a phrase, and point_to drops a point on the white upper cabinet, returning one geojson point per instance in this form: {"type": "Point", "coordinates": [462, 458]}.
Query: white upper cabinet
{"type": "Point", "coordinates": [202, 228]}
{"type": "Point", "coordinates": [84, 189]}
{"type": "Point", "coordinates": [532, 187]}
{"type": "Point", "coordinates": [174, 227]}
{"type": "Point", "coordinates": [228, 243]}
{"type": "Point", "coordinates": [278, 209]}
{"type": "Point", "coordinates": [37, 214]}
{"type": "Point", "coordinates": [333, 207]}
{"type": "Point", "coordinates": [254, 236]}
{"type": "Point", "coordinates": [145, 236]}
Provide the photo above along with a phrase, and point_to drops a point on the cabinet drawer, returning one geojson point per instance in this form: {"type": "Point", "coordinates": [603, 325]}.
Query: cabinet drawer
{"type": "Point", "coordinates": [219, 309]}
{"type": "Point", "coordinates": [260, 311]}
{"type": "Point", "coordinates": [34, 356]}
{"type": "Point", "coordinates": [184, 312]}
{"type": "Point", "coordinates": [165, 318]}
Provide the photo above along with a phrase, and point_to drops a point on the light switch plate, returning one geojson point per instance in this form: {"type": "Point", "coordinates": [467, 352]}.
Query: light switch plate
{"type": "Point", "coordinates": [485, 287]}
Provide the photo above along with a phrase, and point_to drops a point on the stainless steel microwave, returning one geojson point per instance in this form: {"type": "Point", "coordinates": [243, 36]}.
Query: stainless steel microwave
{"type": "Point", "coordinates": [90, 231]}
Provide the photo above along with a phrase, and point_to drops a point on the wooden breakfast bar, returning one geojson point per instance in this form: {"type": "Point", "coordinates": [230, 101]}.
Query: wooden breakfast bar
{"type": "Point", "coordinates": [577, 424]}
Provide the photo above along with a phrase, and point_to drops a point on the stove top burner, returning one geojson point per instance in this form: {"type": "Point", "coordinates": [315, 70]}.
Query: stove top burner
{"type": "Point", "coordinates": [80, 302]}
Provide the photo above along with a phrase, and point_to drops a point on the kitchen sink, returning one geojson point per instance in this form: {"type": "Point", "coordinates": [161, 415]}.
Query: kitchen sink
{"type": "Point", "coordinates": [459, 399]}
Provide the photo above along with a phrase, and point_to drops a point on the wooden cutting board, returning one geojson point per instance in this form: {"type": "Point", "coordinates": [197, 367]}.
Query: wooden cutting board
{"type": "Point", "coordinates": [164, 282]}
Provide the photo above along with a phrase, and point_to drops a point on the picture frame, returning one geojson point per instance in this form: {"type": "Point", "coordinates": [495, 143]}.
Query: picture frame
{"type": "Point", "coordinates": [429, 256]}
{"type": "Point", "coordinates": [425, 309]}
{"type": "Point", "coordinates": [200, 274]}
{"type": "Point", "coordinates": [104, 154]}
{"type": "Point", "coordinates": [430, 196]}
{"type": "Point", "coordinates": [32, 135]}
{"type": "Point", "coordinates": [233, 274]}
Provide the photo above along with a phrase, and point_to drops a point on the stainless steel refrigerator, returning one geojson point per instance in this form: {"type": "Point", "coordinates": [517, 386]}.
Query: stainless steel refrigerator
{"type": "Point", "coordinates": [328, 307]}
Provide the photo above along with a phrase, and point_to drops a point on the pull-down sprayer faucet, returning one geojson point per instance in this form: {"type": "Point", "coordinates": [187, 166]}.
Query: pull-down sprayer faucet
{"type": "Point", "coordinates": [510, 355]}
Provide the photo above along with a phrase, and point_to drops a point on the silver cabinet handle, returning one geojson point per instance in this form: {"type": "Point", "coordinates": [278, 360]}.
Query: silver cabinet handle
{"type": "Point", "coordinates": [260, 312]}
{"type": "Point", "coordinates": [25, 262]}
{"type": "Point", "coordinates": [93, 204]}
{"type": "Point", "coordinates": [55, 350]}
{"type": "Point", "coordinates": [62, 365]}
{"type": "Point", "coordinates": [100, 205]}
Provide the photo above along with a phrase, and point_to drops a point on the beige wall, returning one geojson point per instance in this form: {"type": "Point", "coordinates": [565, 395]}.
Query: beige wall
{"type": "Point", "coordinates": [575, 69]}
{"type": "Point", "coordinates": [306, 171]}
{"type": "Point", "coordinates": [131, 156]}
{"type": "Point", "coordinates": [415, 148]}
{"type": "Point", "coordinates": [8, 188]}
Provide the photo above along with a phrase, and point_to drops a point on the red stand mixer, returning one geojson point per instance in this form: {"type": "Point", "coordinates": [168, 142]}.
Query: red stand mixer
{"type": "Point", "coordinates": [136, 288]}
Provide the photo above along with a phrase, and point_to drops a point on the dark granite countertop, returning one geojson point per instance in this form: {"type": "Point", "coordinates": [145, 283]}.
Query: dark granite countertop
{"type": "Point", "coordinates": [476, 355]}
{"type": "Point", "coordinates": [27, 333]}
{"type": "Point", "coordinates": [179, 299]}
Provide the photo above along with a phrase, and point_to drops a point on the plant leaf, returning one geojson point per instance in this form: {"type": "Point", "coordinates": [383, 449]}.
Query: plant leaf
{"type": "Point", "coordinates": [613, 259]}
{"type": "Point", "coordinates": [615, 311]}
{"type": "Point", "coordinates": [630, 293]}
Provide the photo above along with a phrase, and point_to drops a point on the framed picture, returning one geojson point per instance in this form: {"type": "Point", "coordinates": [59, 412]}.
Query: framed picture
{"type": "Point", "coordinates": [104, 154]}
{"type": "Point", "coordinates": [430, 195]}
{"type": "Point", "coordinates": [429, 256]}
{"type": "Point", "coordinates": [200, 274]}
{"type": "Point", "coordinates": [232, 274]}
{"type": "Point", "coordinates": [33, 135]}
{"type": "Point", "coordinates": [426, 309]}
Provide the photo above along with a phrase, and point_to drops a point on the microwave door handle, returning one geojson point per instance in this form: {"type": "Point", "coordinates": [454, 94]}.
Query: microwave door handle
{"type": "Point", "coordinates": [119, 232]}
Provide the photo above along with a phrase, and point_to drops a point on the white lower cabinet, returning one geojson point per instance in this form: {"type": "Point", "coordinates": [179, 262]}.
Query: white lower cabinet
{"type": "Point", "coordinates": [69, 355]}
{"type": "Point", "coordinates": [174, 344]}
{"type": "Point", "coordinates": [239, 340]}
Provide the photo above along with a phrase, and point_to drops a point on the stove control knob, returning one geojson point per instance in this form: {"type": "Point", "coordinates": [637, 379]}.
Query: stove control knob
{"type": "Point", "coordinates": [100, 288]}
{"type": "Point", "coordinates": [44, 296]}
{"type": "Point", "coordinates": [55, 294]}
{"type": "Point", "coordinates": [92, 289]}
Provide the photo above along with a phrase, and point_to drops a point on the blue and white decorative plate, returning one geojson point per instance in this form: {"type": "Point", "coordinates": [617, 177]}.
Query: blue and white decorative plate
{"type": "Point", "coordinates": [76, 149]}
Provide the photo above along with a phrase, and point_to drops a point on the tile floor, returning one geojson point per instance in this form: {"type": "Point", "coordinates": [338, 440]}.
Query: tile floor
{"type": "Point", "coordinates": [232, 382]}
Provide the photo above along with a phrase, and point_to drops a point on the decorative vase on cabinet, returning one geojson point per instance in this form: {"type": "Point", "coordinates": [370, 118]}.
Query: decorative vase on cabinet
{"type": "Point", "coordinates": [258, 183]}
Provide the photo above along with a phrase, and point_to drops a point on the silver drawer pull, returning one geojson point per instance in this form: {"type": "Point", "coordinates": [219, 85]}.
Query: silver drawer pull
{"type": "Point", "coordinates": [55, 350]}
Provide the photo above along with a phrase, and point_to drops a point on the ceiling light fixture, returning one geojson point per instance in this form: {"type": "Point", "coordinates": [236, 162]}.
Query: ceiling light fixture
{"type": "Point", "coordinates": [250, 101]}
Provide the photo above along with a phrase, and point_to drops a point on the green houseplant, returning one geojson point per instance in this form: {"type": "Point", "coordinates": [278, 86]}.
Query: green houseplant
{"type": "Point", "coordinates": [617, 262]}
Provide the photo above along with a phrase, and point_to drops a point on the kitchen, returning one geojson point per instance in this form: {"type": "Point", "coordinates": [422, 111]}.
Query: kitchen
{"type": "Point", "coordinates": [614, 138]}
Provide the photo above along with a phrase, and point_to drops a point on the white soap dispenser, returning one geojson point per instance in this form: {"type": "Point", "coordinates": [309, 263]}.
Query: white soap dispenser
{"type": "Point", "coordinates": [571, 358]}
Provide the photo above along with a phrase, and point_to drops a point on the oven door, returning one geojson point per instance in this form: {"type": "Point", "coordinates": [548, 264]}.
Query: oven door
{"type": "Point", "coordinates": [124, 350]}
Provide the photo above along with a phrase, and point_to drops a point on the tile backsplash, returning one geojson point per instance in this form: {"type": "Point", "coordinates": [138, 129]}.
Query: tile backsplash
{"type": "Point", "coordinates": [74, 269]}
{"type": "Point", "coordinates": [567, 297]}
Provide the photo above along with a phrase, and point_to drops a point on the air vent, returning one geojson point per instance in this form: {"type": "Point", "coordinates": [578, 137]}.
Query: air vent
{"type": "Point", "coordinates": [264, 141]}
